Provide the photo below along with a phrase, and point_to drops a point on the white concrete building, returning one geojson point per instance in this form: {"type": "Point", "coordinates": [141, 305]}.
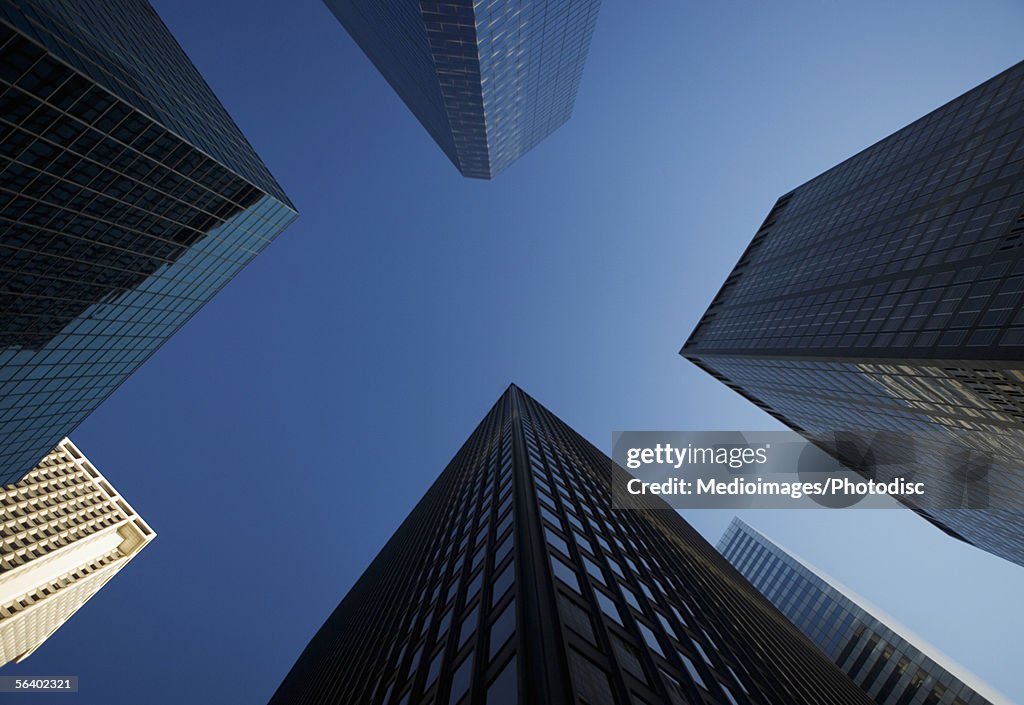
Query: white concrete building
{"type": "Point", "coordinates": [64, 532]}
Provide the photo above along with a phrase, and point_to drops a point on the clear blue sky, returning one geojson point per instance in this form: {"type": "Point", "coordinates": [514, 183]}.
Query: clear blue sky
{"type": "Point", "coordinates": [278, 440]}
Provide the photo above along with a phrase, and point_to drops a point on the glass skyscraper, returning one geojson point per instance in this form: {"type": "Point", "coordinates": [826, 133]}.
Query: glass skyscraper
{"type": "Point", "coordinates": [882, 300]}
{"type": "Point", "coordinates": [128, 198]}
{"type": "Point", "coordinates": [488, 79]}
{"type": "Point", "coordinates": [873, 650]}
{"type": "Point", "coordinates": [514, 581]}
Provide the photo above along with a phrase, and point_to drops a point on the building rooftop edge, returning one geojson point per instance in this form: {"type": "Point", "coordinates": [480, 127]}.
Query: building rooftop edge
{"type": "Point", "coordinates": [965, 675]}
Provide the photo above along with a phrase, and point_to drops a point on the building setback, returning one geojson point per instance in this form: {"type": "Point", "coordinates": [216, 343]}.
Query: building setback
{"type": "Point", "coordinates": [882, 300]}
{"type": "Point", "coordinates": [515, 581]}
{"type": "Point", "coordinates": [64, 532]}
{"type": "Point", "coordinates": [873, 650]}
{"type": "Point", "coordinates": [128, 198]}
{"type": "Point", "coordinates": [487, 79]}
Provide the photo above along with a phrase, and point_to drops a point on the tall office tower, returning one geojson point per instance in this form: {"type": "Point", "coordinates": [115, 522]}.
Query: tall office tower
{"type": "Point", "coordinates": [64, 532]}
{"type": "Point", "coordinates": [871, 649]}
{"type": "Point", "coordinates": [488, 79]}
{"type": "Point", "coordinates": [128, 198]}
{"type": "Point", "coordinates": [882, 299]}
{"type": "Point", "coordinates": [515, 581]}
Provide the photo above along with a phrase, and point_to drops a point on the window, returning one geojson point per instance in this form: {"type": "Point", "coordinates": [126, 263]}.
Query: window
{"type": "Point", "coordinates": [675, 690]}
{"type": "Point", "coordinates": [650, 638]}
{"type": "Point", "coordinates": [504, 689]}
{"type": "Point", "coordinates": [556, 541]}
{"type": "Point", "coordinates": [582, 541]}
{"type": "Point", "coordinates": [576, 618]}
{"type": "Point", "coordinates": [461, 680]}
{"type": "Point", "coordinates": [702, 652]}
{"type": "Point", "coordinates": [935, 696]}
{"type": "Point", "coordinates": [503, 549]}
{"type": "Point", "coordinates": [505, 522]}
{"type": "Point", "coordinates": [565, 573]}
{"type": "Point", "coordinates": [628, 657]}
{"type": "Point", "coordinates": [549, 515]}
{"type": "Point", "coordinates": [692, 670]}
{"type": "Point", "coordinates": [502, 628]}
{"type": "Point", "coordinates": [468, 627]}
{"type": "Point", "coordinates": [416, 662]}
{"type": "Point", "coordinates": [608, 606]}
{"type": "Point", "coordinates": [593, 570]}
{"type": "Point", "coordinates": [446, 621]}
{"type": "Point", "coordinates": [589, 679]}
{"type": "Point", "coordinates": [665, 624]}
{"type": "Point", "coordinates": [630, 598]}
{"type": "Point", "coordinates": [477, 557]}
{"type": "Point", "coordinates": [435, 668]}
{"type": "Point", "coordinates": [503, 582]}
{"type": "Point", "coordinates": [738, 681]}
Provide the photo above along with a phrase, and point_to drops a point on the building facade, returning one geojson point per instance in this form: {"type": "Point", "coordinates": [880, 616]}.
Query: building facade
{"type": "Point", "coordinates": [128, 198]}
{"type": "Point", "coordinates": [64, 532]}
{"type": "Point", "coordinates": [881, 302]}
{"type": "Point", "coordinates": [872, 650]}
{"type": "Point", "coordinates": [488, 80]}
{"type": "Point", "coordinates": [514, 581]}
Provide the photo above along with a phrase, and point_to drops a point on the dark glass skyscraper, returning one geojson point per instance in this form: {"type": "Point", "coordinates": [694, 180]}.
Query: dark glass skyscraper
{"type": "Point", "coordinates": [128, 198]}
{"type": "Point", "coordinates": [515, 582]}
{"type": "Point", "coordinates": [882, 299]}
{"type": "Point", "coordinates": [488, 79]}
{"type": "Point", "coordinates": [873, 650]}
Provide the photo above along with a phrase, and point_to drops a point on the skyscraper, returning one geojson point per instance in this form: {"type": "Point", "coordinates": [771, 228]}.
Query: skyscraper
{"type": "Point", "coordinates": [128, 198]}
{"type": "Point", "coordinates": [882, 300]}
{"type": "Point", "coordinates": [487, 79]}
{"type": "Point", "coordinates": [64, 532]}
{"type": "Point", "coordinates": [877, 653]}
{"type": "Point", "coordinates": [515, 581]}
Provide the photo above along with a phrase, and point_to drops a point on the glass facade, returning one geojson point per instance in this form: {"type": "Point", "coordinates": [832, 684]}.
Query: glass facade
{"type": "Point", "coordinates": [128, 198]}
{"type": "Point", "coordinates": [514, 581]}
{"type": "Point", "coordinates": [487, 79]}
{"type": "Point", "coordinates": [883, 298]}
{"type": "Point", "coordinates": [875, 655]}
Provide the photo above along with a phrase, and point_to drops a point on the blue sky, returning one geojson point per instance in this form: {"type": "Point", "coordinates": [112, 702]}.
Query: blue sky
{"type": "Point", "coordinates": [276, 442]}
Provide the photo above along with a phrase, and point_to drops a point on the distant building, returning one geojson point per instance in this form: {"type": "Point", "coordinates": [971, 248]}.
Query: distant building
{"type": "Point", "coordinates": [872, 649]}
{"type": "Point", "coordinates": [487, 79]}
{"type": "Point", "coordinates": [882, 300]}
{"type": "Point", "coordinates": [515, 581]}
{"type": "Point", "coordinates": [64, 532]}
{"type": "Point", "coordinates": [128, 198]}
